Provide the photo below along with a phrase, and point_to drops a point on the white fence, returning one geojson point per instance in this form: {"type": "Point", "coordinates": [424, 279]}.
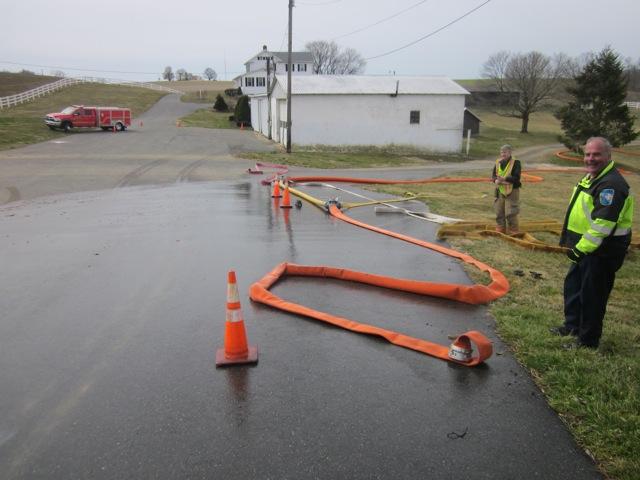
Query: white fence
{"type": "Point", "coordinates": [632, 104]}
{"type": "Point", "coordinates": [12, 100]}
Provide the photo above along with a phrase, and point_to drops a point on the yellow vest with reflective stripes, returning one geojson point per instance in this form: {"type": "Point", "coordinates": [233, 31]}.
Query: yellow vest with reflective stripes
{"type": "Point", "coordinates": [505, 189]}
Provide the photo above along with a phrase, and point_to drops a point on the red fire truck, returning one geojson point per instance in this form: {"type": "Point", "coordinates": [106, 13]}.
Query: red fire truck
{"type": "Point", "coordinates": [79, 116]}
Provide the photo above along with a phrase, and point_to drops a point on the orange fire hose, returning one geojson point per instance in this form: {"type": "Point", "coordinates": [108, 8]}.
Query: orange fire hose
{"type": "Point", "coordinates": [473, 294]}
{"type": "Point", "coordinates": [259, 292]}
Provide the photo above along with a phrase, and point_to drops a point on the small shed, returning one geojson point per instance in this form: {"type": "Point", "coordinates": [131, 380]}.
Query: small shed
{"type": "Point", "coordinates": [471, 122]}
{"type": "Point", "coordinates": [362, 110]}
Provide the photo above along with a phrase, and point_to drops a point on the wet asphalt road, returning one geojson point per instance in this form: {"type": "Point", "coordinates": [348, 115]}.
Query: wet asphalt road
{"type": "Point", "coordinates": [113, 305]}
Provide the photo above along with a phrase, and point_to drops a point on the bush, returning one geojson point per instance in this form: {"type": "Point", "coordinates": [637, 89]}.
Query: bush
{"type": "Point", "coordinates": [243, 111]}
{"type": "Point", "coordinates": [220, 105]}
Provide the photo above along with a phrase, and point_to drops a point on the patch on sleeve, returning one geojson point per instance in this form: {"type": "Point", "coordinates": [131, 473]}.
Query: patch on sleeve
{"type": "Point", "coordinates": [606, 197]}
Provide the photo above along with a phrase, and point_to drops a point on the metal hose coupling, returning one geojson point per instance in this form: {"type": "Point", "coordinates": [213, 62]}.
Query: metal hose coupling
{"type": "Point", "coordinates": [461, 350]}
{"type": "Point", "coordinates": [334, 201]}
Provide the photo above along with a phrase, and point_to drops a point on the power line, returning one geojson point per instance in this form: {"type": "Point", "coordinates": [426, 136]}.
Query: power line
{"type": "Point", "coordinates": [318, 4]}
{"type": "Point", "coordinates": [72, 68]}
{"type": "Point", "coordinates": [429, 34]}
{"type": "Point", "coordinates": [381, 21]}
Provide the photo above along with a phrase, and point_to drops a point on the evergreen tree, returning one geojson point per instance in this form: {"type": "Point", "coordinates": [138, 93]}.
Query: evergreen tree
{"type": "Point", "coordinates": [597, 108]}
{"type": "Point", "coordinates": [243, 111]}
{"type": "Point", "coordinates": [220, 105]}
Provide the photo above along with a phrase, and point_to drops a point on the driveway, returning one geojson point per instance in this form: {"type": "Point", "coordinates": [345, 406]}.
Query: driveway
{"type": "Point", "coordinates": [113, 305]}
{"type": "Point", "coordinates": [153, 151]}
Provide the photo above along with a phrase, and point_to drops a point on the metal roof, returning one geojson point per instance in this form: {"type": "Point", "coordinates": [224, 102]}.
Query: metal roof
{"type": "Point", "coordinates": [282, 57]}
{"type": "Point", "coordinates": [371, 85]}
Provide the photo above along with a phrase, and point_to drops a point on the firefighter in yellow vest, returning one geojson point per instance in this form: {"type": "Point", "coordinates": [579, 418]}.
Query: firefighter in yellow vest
{"type": "Point", "coordinates": [597, 233]}
{"type": "Point", "coordinates": [506, 177]}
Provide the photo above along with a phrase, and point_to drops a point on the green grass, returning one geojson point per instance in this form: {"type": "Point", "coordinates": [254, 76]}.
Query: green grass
{"type": "Point", "coordinates": [14, 83]}
{"type": "Point", "coordinates": [23, 124]}
{"type": "Point", "coordinates": [351, 157]}
{"type": "Point", "coordinates": [596, 393]}
{"type": "Point", "coordinates": [207, 118]}
{"type": "Point", "coordinates": [496, 130]}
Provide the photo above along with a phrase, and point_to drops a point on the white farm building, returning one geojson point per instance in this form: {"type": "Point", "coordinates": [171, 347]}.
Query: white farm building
{"type": "Point", "coordinates": [422, 112]}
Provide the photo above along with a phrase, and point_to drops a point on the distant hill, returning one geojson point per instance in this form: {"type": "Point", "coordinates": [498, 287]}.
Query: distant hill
{"type": "Point", "coordinates": [197, 85]}
{"type": "Point", "coordinates": [13, 83]}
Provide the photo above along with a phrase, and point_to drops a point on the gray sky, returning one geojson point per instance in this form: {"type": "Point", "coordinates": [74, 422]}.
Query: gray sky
{"type": "Point", "coordinates": [147, 35]}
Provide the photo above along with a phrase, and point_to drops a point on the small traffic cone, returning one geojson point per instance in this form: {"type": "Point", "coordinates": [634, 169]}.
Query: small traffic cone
{"type": "Point", "coordinates": [276, 189]}
{"type": "Point", "coordinates": [286, 199]}
{"type": "Point", "coordinates": [141, 124]}
{"type": "Point", "coordinates": [461, 349]}
{"type": "Point", "coordinates": [115, 130]}
{"type": "Point", "coordinates": [241, 125]}
{"type": "Point", "coordinates": [235, 348]}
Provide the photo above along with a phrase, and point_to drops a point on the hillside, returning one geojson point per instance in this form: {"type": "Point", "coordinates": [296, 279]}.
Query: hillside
{"type": "Point", "coordinates": [13, 83]}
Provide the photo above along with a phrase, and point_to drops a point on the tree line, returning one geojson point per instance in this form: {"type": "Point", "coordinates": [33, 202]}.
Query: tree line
{"type": "Point", "coordinates": [181, 74]}
{"type": "Point", "coordinates": [596, 86]}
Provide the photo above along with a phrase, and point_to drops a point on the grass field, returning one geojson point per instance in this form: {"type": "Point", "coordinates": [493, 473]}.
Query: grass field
{"type": "Point", "coordinates": [14, 83]}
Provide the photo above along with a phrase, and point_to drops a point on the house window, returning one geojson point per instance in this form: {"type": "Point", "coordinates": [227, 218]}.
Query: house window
{"type": "Point", "coordinates": [249, 82]}
{"type": "Point", "coordinates": [260, 82]}
{"type": "Point", "coordinates": [414, 116]}
{"type": "Point", "coordinates": [300, 67]}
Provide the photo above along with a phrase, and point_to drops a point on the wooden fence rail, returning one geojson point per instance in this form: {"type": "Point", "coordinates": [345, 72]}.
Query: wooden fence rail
{"type": "Point", "coordinates": [12, 100]}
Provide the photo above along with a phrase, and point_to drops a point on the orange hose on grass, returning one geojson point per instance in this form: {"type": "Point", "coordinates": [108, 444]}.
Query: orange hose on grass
{"type": "Point", "coordinates": [379, 181]}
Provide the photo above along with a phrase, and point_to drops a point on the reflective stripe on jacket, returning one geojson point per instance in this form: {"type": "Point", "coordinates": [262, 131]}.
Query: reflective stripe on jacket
{"type": "Point", "coordinates": [600, 214]}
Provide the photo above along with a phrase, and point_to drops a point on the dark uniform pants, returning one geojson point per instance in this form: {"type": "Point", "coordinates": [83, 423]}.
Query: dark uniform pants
{"type": "Point", "coordinates": [586, 291]}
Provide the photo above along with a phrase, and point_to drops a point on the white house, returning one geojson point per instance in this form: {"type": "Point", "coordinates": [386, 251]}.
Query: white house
{"type": "Point", "coordinates": [423, 112]}
{"type": "Point", "coordinates": [254, 80]}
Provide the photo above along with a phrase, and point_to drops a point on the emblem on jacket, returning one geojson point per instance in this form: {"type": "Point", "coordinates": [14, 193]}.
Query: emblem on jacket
{"type": "Point", "coordinates": [606, 197]}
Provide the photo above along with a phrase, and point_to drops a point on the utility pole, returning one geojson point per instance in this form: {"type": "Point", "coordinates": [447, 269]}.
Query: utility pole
{"type": "Point", "coordinates": [269, 95]}
{"type": "Point", "coordinates": [289, 80]}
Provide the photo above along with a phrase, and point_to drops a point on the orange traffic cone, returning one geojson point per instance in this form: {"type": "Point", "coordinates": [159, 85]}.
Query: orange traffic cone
{"type": "Point", "coordinates": [235, 348]}
{"type": "Point", "coordinates": [241, 125]}
{"type": "Point", "coordinates": [286, 199]}
{"type": "Point", "coordinates": [276, 189]}
{"type": "Point", "coordinates": [141, 123]}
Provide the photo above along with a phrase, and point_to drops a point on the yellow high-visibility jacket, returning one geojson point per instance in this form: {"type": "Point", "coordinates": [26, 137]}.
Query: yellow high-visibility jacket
{"type": "Point", "coordinates": [598, 220]}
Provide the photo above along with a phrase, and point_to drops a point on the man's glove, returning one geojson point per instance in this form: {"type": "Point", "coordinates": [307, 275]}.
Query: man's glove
{"type": "Point", "coordinates": [575, 255]}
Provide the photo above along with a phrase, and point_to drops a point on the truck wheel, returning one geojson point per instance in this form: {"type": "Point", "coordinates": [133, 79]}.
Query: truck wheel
{"type": "Point", "coordinates": [119, 127]}
{"type": "Point", "coordinates": [66, 126]}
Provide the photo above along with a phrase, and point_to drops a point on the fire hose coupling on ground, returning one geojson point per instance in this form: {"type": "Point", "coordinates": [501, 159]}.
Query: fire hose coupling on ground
{"type": "Point", "coordinates": [461, 350]}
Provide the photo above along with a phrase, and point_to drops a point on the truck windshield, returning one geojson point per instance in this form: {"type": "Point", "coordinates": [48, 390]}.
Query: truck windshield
{"type": "Point", "coordinates": [68, 110]}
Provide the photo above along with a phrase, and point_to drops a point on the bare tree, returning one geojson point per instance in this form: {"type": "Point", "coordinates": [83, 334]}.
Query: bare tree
{"type": "Point", "coordinates": [58, 73]}
{"type": "Point", "coordinates": [329, 60]}
{"type": "Point", "coordinates": [350, 62]}
{"type": "Point", "coordinates": [534, 75]}
{"type": "Point", "coordinates": [181, 74]}
{"type": "Point", "coordinates": [210, 74]}
{"type": "Point", "coordinates": [495, 68]}
{"type": "Point", "coordinates": [168, 74]}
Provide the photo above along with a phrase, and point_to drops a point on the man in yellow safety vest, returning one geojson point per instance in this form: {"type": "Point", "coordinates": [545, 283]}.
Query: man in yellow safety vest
{"type": "Point", "coordinates": [597, 234]}
{"type": "Point", "coordinates": [506, 177]}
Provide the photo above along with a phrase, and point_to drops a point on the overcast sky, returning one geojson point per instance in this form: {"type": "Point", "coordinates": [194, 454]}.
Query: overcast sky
{"type": "Point", "coordinates": [108, 38]}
